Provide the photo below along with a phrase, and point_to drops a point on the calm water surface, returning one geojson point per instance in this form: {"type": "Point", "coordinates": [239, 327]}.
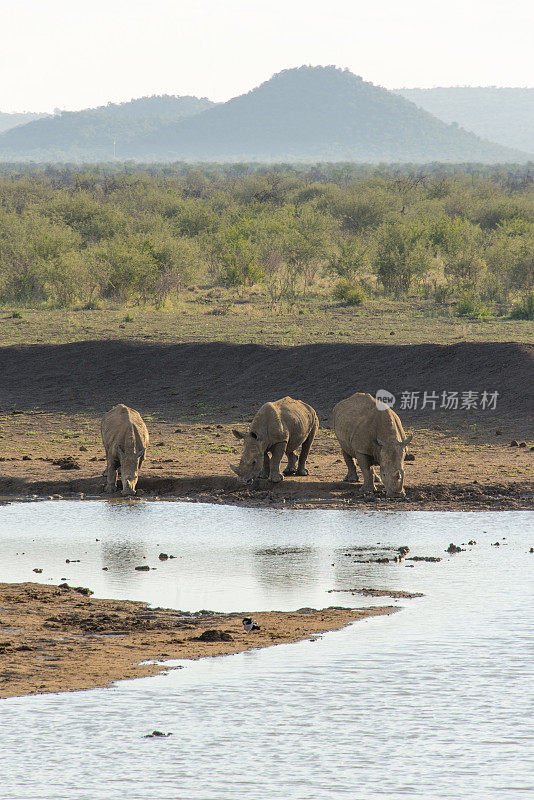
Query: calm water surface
{"type": "Point", "coordinates": [433, 702]}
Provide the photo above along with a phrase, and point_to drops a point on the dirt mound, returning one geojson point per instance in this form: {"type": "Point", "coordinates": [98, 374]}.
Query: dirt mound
{"type": "Point", "coordinates": [218, 376]}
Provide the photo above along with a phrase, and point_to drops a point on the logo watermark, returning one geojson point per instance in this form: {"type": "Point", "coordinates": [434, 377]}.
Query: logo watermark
{"type": "Point", "coordinates": [384, 399]}
{"type": "Point", "coordinates": [433, 400]}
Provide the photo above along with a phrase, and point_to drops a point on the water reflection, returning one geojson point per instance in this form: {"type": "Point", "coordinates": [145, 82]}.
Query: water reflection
{"type": "Point", "coordinates": [121, 557]}
{"type": "Point", "coordinates": [282, 568]}
{"type": "Point", "coordinates": [430, 703]}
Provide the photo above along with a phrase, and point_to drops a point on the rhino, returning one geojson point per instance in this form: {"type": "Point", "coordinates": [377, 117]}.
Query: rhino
{"type": "Point", "coordinates": [279, 427]}
{"type": "Point", "coordinates": [125, 439]}
{"type": "Point", "coordinates": [372, 437]}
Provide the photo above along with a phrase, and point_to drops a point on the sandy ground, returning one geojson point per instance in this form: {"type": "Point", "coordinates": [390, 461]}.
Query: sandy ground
{"type": "Point", "coordinates": [467, 468]}
{"type": "Point", "coordinates": [58, 638]}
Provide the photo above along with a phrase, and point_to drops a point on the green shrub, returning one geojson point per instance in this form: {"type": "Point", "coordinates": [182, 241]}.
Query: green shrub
{"type": "Point", "coordinates": [349, 293]}
{"type": "Point", "coordinates": [473, 307]}
{"type": "Point", "coordinates": [442, 293]}
{"type": "Point", "coordinates": [525, 308]}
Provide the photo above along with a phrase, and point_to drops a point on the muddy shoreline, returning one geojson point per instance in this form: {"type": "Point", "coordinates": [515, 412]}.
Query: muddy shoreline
{"type": "Point", "coordinates": [290, 494]}
{"type": "Point", "coordinates": [59, 638]}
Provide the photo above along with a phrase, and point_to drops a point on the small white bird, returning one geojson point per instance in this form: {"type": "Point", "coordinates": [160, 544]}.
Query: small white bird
{"type": "Point", "coordinates": [250, 626]}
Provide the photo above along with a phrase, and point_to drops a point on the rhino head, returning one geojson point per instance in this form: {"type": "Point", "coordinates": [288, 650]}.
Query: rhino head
{"type": "Point", "coordinates": [130, 465]}
{"type": "Point", "coordinates": [251, 462]}
{"type": "Point", "coordinates": [391, 454]}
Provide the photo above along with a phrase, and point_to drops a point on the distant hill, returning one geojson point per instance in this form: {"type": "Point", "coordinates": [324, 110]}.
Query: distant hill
{"type": "Point", "coordinates": [503, 115]}
{"type": "Point", "coordinates": [316, 114]}
{"type": "Point", "coordinates": [306, 114]}
{"type": "Point", "coordinates": [8, 121]}
{"type": "Point", "coordinates": [89, 135]}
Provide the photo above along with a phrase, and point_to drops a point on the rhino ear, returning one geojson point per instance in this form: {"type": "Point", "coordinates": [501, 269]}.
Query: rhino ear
{"type": "Point", "coordinates": [407, 441]}
{"type": "Point", "coordinates": [238, 434]}
{"type": "Point", "coordinates": [233, 467]}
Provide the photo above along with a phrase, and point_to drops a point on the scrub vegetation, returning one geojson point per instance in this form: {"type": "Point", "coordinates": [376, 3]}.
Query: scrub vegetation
{"type": "Point", "coordinates": [456, 242]}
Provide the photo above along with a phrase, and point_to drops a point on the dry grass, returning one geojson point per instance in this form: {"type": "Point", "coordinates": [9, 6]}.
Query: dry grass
{"type": "Point", "coordinates": [205, 315]}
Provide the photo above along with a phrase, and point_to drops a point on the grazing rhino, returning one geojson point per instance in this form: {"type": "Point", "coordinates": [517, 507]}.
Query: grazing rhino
{"type": "Point", "coordinates": [125, 439]}
{"type": "Point", "coordinates": [277, 428]}
{"type": "Point", "coordinates": [371, 437]}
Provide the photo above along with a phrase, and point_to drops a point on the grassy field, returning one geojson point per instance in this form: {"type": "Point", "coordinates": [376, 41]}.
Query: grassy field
{"type": "Point", "coordinates": [217, 315]}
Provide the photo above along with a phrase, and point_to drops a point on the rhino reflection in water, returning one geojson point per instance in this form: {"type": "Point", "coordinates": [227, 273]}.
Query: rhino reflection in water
{"type": "Point", "coordinates": [125, 439]}
{"type": "Point", "coordinates": [372, 437]}
{"type": "Point", "coordinates": [279, 427]}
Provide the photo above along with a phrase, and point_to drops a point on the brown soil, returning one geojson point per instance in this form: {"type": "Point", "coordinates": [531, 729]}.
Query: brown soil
{"type": "Point", "coordinates": [58, 638]}
{"type": "Point", "coordinates": [215, 378]}
{"type": "Point", "coordinates": [191, 396]}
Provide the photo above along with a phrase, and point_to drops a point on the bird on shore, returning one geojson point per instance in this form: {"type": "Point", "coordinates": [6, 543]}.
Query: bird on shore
{"type": "Point", "coordinates": [250, 626]}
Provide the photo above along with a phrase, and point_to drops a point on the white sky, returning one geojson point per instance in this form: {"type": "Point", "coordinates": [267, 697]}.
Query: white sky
{"type": "Point", "coordinates": [80, 53]}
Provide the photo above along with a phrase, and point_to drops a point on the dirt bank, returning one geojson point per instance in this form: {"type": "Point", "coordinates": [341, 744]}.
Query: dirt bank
{"type": "Point", "coordinates": [58, 638]}
{"type": "Point", "coordinates": [218, 377]}
{"type": "Point", "coordinates": [58, 453]}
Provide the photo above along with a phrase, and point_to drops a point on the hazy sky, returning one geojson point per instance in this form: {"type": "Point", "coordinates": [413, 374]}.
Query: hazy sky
{"type": "Point", "coordinates": [72, 54]}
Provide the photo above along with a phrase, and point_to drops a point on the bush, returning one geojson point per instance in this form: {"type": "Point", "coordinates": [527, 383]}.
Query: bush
{"type": "Point", "coordinates": [473, 307]}
{"type": "Point", "coordinates": [442, 293]}
{"type": "Point", "coordinates": [525, 308]}
{"type": "Point", "coordinates": [402, 256]}
{"type": "Point", "coordinates": [349, 293]}
{"type": "Point", "coordinates": [143, 234]}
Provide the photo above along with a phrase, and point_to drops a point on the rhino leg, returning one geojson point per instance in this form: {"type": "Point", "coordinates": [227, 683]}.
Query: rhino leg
{"type": "Point", "coordinates": [352, 474]}
{"type": "Point", "coordinates": [266, 466]}
{"type": "Point", "coordinates": [111, 484]}
{"type": "Point", "coordinates": [277, 451]}
{"type": "Point", "coordinates": [304, 452]}
{"type": "Point", "coordinates": [366, 466]}
{"type": "Point", "coordinates": [291, 468]}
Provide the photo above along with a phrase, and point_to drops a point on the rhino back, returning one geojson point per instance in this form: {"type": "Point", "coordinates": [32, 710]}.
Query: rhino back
{"type": "Point", "coordinates": [284, 420]}
{"type": "Point", "coordinates": [125, 428]}
{"type": "Point", "coordinates": [358, 424]}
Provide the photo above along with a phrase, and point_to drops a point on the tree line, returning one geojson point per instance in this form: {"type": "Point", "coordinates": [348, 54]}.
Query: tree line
{"type": "Point", "coordinates": [462, 236]}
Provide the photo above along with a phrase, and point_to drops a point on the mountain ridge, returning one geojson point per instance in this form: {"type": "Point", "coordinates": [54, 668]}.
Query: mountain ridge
{"type": "Point", "coordinates": [485, 110]}
{"type": "Point", "coordinates": [311, 114]}
{"type": "Point", "coordinates": [91, 133]}
{"type": "Point", "coordinates": [13, 119]}
{"type": "Point", "coordinates": [303, 114]}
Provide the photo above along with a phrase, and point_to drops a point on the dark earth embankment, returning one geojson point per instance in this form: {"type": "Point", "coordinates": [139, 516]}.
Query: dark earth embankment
{"type": "Point", "coordinates": [222, 376]}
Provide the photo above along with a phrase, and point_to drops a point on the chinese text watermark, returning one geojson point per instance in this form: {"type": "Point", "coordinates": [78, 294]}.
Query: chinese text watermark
{"type": "Point", "coordinates": [433, 400]}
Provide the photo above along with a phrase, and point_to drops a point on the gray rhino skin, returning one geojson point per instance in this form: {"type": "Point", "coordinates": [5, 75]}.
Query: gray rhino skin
{"type": "Point", "coordinates": [372, 437]}
{"type": "Point", "coordinates": [278, 428]}
{"type": "Point", "coordinates": [125, 439]}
